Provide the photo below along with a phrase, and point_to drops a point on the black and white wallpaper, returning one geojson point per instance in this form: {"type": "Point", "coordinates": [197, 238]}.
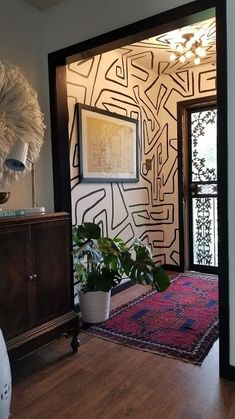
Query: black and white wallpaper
{"type": "Point", "coordinates": [131, 81]}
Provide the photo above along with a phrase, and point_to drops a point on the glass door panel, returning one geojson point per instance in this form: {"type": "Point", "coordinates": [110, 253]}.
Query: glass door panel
{"type": "Point", "coordinates": [203, 189]}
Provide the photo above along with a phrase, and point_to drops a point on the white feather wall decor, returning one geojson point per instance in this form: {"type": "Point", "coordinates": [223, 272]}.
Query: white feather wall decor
{"type": "Point", "coordinates": [20, 118]}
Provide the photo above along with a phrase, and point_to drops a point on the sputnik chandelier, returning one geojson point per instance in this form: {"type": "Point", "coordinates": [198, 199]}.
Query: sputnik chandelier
{"type": "Point", "coordinates": [189, 46]}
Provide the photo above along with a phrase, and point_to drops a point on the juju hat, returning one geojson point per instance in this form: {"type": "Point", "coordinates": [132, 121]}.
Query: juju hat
{"type": "Point", "coordinates": [20, 118]}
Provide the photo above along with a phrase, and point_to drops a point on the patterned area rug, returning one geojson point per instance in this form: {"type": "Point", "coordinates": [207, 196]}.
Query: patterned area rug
{"type": "Point", "coordinates": [181, 322]}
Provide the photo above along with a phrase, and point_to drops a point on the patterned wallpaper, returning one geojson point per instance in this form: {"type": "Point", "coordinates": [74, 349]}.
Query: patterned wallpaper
{"type": "Point", "coordinates": [132, 82]}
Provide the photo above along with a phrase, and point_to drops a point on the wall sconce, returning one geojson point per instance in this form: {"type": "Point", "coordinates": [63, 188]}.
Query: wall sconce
{"type": "Point", "coordinates": [147, 166]}
{"type": "Point", "coordinates": [16, 160]}
{"type": "Point", "coordinates": [190, 46]}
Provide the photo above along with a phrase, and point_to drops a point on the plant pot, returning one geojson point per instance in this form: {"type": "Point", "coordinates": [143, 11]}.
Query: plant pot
{"type": "Point", "coordinates": [95, 306]}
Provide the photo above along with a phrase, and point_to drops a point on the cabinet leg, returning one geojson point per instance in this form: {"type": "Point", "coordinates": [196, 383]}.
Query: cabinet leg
{"type": "Point", "coordinates": [75, 343]}
{"type": "Point", "coordinates": [74, 332]}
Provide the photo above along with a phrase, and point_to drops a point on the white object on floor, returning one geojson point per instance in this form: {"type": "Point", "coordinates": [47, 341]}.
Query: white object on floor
{"type": "Point", "coordinates": [5, 380]}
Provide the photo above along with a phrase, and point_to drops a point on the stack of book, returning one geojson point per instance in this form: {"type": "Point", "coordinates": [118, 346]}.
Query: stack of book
{"type": "Point", "coordinates": [23, 211]}
{"type": "Point", "coordinates": [11, 213]}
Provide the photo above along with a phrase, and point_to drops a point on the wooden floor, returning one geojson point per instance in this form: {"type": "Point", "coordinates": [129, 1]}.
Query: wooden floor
{"type": "Point", "coordinates": [109, 381]}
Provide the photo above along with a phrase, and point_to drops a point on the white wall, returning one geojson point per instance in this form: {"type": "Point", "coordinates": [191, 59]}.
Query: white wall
{"type": "Point", "coordinates": [81, 24]}
{"type": "Point", "coordinates": [20, 44]}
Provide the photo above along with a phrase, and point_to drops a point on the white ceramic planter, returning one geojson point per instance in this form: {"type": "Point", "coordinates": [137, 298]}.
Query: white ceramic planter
{"type": "Point", "coordinates": [5, 380]}
{"type": "Point", "coordinates": [95, 306]}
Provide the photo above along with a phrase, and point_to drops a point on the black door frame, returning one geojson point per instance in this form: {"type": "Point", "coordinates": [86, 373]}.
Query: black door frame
{"type": "Point", "coordinates": [157, 24]}
{"type": "Point", "coordinates": [193, 266]}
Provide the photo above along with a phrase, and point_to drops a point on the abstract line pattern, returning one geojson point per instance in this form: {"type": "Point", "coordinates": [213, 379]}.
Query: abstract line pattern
{"type": "Point", "coordinates": [132, 82]}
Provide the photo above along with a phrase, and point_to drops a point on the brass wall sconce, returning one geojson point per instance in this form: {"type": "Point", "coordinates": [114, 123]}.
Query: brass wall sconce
{"type": "Point", "coordinates": [147, 166]}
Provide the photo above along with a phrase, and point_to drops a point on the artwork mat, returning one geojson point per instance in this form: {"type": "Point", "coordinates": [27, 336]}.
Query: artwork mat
{"type": "Point", "coordinates": [108, 146]}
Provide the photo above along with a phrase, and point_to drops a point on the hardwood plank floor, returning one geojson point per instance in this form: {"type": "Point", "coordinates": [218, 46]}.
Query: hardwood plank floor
{"type": "Point", "coordinates": [109, 381]}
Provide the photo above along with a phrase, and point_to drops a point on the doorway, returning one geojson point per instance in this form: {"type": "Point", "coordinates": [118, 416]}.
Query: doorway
{"type": "Point", "coordinates": [198, 134]}
{"type": "Point", "coordinates": [152, 26]}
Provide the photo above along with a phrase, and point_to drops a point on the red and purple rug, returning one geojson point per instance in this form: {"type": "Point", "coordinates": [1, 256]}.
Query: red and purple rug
{"type": "Point", "coordinates": [181, 322]}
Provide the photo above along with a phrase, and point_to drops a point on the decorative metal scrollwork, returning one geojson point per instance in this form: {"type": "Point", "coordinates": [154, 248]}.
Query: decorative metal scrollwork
{"type": "Point", "coordinates": [207, 189]}
{"type": "Point", "coordinates": [199, 122]}
{"type": "Point", "coordinates": [203, 231]}
{"type": "Point", "coordinates": [204, 213]}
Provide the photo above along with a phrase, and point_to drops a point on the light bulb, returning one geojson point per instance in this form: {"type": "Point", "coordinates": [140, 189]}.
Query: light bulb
{"type": "Point", "coordinates": [197, 60]}
{"type": "Point", "coordinates": [200, 52]}
{"type": "Point", "coordinates": [173, 57]}
{"type": "Point", "coordinates": [204, 43]}
{"type": "Point", "coordinates": [180, 48]}
{"type": "Point", "coordinates": [182, 59]}
{"type": "Point", "coordinates": [188, 44]}
{"type": "Point", "coordinates": [188, 54]}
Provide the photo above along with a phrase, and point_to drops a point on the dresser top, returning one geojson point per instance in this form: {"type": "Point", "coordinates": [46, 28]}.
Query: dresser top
{"type": "Point", "coordinates": [33, 218]}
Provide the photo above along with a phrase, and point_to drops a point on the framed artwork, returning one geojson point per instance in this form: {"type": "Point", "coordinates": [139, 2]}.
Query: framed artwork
{"type": "Point", "coordinates": [108, 146]}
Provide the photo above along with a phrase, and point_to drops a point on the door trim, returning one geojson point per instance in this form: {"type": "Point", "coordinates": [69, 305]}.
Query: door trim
{"type": "Point", "coordinates": [160, 23]}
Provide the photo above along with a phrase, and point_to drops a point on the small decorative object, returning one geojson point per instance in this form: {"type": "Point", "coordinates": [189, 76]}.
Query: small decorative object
{"type": "Point", "coordinates": [20, 118]}
{"type": "Point", "coordinates": [4, 196]}
{"type": "Point", "coordinates": [108, 146]}
{"type": "Point", "coordinates": [100, 264]}
{"type": "Point", "coordinates": [5, 380]}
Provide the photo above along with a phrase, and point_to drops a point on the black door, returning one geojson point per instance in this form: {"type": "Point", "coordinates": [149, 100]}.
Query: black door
{"type": "Point", "coordinates": [202, 189]}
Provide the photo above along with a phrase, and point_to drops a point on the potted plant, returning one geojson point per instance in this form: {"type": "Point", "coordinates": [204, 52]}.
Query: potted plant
{"type": "Point", "coordinates": [100, 263]}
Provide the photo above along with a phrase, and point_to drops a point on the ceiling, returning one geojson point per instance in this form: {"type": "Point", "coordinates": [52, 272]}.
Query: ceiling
{"type": "Point", "coordinates": [160, 46]}
{"type": "Point", "coordinates": [44, 4]}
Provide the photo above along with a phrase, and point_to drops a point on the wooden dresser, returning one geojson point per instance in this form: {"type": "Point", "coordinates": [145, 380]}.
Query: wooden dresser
{"type": "Point", "coordinates": [36, 289]}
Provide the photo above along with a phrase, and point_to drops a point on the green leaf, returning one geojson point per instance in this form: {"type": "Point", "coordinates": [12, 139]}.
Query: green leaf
{"type": "Point", "coordinates": [81, 274]}
{"type": "Point", "coordinates": [160, 279]}
{"type": "Point", "coordinates": [88, 231]}
{"type": "Point", "coordinates": [100, 262]}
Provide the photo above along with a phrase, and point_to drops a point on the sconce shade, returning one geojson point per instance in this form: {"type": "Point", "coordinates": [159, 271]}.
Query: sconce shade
{"type": "Point", "coordinates": [16, 160]}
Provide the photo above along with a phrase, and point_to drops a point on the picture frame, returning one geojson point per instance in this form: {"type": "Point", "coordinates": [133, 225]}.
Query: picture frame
{"type": "Point", "coordinates": [108, 146]}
